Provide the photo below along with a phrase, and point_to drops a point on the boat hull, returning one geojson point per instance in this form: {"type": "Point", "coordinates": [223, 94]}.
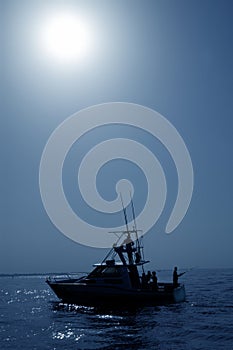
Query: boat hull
{"type": "Point", "coordinates": [84, 294]}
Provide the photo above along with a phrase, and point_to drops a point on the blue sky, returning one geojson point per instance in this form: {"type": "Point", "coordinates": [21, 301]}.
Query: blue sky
{"type": "Point", "coordinates": [175, 57]}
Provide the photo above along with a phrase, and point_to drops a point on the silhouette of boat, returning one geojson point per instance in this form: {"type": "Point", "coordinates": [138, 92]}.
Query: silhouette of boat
{"type": "Point", "coordinates": [119, 279]}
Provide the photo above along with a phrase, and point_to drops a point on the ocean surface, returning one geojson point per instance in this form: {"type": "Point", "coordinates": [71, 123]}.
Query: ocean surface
{"type": "Point", "coordinates": [31, 317]}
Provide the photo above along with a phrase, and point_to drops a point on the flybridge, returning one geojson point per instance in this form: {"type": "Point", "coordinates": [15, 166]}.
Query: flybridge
{"type": "Point", "coordinates": [130, 250]}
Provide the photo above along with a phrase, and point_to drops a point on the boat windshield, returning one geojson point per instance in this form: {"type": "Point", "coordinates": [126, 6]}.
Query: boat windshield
{"type": "Point", "coordinates": [104, 271]}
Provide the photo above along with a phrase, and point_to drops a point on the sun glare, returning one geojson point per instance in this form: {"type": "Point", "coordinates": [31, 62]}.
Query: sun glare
{"type": "Point", "coordinates": [65, 37]}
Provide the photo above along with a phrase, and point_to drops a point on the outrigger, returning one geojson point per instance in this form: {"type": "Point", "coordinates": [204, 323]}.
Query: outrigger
{"type": "Point", "coordinates": [119, 278]}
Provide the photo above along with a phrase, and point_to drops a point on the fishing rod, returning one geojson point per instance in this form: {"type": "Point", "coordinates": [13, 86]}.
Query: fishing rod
{"type": "Point", "coordinates": [188, 270]}
{"type": "Point", "coordinates": [191, 268]}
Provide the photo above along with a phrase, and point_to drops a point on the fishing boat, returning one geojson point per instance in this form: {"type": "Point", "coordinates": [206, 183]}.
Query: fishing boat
{"type": "Point", "coordinates": [119, 279]}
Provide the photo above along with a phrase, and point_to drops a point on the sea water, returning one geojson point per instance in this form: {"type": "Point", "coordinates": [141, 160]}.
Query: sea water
{"type": "Point", "coordinates": [31, 317]}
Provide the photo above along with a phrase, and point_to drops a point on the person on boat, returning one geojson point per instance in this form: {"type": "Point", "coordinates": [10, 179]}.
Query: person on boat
{"type": "Point", "coordinates": [148, 276]}
{"type": "Point", "coordinates": [119, 251]}
{"type": "Point", "coordinates": [176, 275]}
{"type": "Point", "coordinates": [129, 248]}
{"type": "Point", "coordinates": [154, 280]}
{"type": "Point", "coordinates": [144, 280]}
{"type": "Point", "coordinates": [137, 257]}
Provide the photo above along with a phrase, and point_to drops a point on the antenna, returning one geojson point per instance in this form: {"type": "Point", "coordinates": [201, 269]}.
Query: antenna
{"type": "Point", "coordinates": [125, 215]}
{"type": "Point", "coordinates": [133, 211]}
{"type": "Point", "coordinates": [135, 229]}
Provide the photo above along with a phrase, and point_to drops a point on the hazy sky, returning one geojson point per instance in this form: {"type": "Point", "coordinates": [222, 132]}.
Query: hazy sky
{"type": "Point", "coordinates": [174, 56]}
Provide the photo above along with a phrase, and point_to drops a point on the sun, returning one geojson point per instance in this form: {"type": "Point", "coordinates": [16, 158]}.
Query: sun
{"type": "Point", "coordinates": [65, 37]}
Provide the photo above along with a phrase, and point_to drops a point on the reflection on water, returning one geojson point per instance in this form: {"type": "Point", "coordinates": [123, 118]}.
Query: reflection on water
{"type": "Point", "coordinates": [120, 325]}
{"type": "Point", "coordinates": [31, 319]}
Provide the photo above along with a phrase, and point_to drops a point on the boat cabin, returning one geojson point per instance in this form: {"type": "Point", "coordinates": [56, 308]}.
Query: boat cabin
{"type": "Point", "coordinates": [112, 273]}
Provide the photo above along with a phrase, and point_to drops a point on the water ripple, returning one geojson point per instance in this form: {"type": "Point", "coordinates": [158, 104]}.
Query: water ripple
{"type": "Point", "coordinates": [32, 319]}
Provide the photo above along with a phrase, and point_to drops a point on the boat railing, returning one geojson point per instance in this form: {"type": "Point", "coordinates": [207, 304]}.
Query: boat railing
{"type": "Point", "coordinates": [73, 276]}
